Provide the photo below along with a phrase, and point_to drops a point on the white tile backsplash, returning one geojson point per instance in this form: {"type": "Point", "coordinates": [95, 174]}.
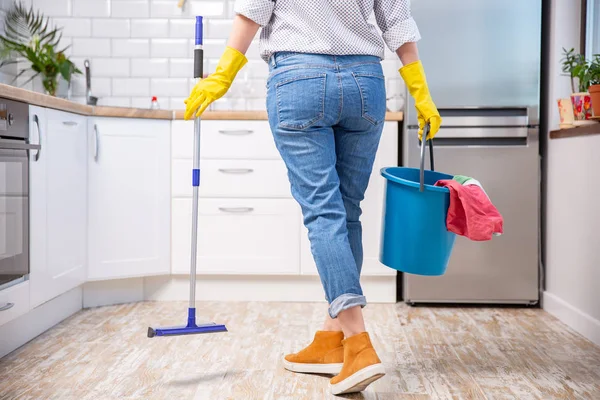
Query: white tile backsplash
{"type": "Point", "coordinates": [182, 28]}
{"type": "Point", "coordinates": [101, 87]}
{"type": "Point", "coordinates": [115, 101]}
{"type": "Point", "coordinates": [150, 28]}
{"type": "Point", "coordinates": [111, 28]}
{"type": "Point", "coordinates": [131, 87]}
{"type": "Point", "coordinates": [165, 9]}
{"type": "Point", "coordinates": [256, 104]}
{"type": "Point", "coordinates": [181, 68]}
{"type": "Point", "coordinates": [150, 67]}
{"type": "Point", "coordinates": [110, 67]}
{"type": "Point", "coordinates": [207, 8]}
{"type": "Point", "coordinates": [257, 69]}
{"type": "Point", "coordinates": [141, 48]}
{"type": "Point", "coordinates": [130, 48]}
{"type": "Point", "coordinates": [74, 27]}
{"type": "Point", "coordinates": [177, 103]}
{"type": "Point", "coordinates": [218, 29]}
{"type": "Point", "coordinates": [144, 102]}
{"type": "Point", "coordinates": [53, 8]}
{"type": "Point", "coordinates": [178, 48]}
{"type": "Point", "coordinates": [91, 47]}
{"type": "Point", "coordinates": [89, 8]}
{"type": "Point", "coordinates": [225, 104]}
{"type": "Point", "coordinates": [213, 48]}
{"type": "Point", "coordinates": [166, 87]}
{"type": "Point", "coordinates": [130, 9]}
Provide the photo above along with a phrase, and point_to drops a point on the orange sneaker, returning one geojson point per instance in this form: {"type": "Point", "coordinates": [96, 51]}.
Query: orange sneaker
{"type": "Point", "coordinates": [361, 366]}
{"type": "Point", "coordinates": [325, 355]}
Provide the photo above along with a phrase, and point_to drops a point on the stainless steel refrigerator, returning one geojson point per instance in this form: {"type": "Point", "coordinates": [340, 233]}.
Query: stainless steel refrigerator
{"type": "Point", "coordinates": [482, 60]}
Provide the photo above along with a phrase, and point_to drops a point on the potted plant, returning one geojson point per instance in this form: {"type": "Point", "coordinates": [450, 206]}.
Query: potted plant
{"type": "Point", "coordinates": [28, 39]}
{"type": "Point", "coordinates": [594, 71]}
{"type": "Point", "coordinates": [578, 68]}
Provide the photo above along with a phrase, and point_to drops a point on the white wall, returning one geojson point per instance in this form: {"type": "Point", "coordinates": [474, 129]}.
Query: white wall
{"type": "Point", "coordinates": [6, 74]}
{"type": "Point", "coordinates": [572, 214]}
{"type": "Point", "coordinates": [143, 48]}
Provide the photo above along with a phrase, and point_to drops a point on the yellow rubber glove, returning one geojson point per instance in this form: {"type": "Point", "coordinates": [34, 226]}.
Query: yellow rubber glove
{"type": "Point", "coordinates": [215, 85]}
{"type": "Point", "coordinates": [414, 77]}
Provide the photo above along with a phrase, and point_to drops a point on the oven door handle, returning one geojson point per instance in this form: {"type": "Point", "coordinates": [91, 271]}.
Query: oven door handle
{"type": "Point", "coordinates": [14, 145]}
{"type": "Point", "coordinates": [36, 119]}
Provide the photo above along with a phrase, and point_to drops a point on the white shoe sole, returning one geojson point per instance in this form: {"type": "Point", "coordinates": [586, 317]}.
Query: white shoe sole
{"type": "Point", "coordinates": [332, 369]}
{"type": "Point", "coordinates": [358, 381]}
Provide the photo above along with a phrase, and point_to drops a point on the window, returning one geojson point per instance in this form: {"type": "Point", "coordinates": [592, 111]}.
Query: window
{"type": "Point", "coordinates": [592, 27]}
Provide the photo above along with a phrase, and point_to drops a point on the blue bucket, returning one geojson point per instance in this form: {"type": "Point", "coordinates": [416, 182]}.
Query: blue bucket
{"type": "Point", "coordinates": [415, 239]}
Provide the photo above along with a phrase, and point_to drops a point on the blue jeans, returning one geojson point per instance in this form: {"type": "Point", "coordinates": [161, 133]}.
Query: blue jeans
{"type": "Point", "coordinates": [326, 114]}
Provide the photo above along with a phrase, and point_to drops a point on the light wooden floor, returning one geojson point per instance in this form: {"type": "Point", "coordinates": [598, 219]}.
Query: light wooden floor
{"type": "Point", "coordinates": [429, 353]}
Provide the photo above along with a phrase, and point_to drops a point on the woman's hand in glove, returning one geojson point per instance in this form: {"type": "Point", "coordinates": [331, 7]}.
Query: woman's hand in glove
{"type": "Point", "coordinates": [414, 77]}
{"type": "Point", "coordinates": [215, 85]}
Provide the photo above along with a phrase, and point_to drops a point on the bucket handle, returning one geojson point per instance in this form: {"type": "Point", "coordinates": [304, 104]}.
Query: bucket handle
{"type": "Point", "coordinates": [423, 145]}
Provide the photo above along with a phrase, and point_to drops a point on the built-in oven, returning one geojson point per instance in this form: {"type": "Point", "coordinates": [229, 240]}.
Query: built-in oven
{"type": "Point", "coordinates": [15, 151]}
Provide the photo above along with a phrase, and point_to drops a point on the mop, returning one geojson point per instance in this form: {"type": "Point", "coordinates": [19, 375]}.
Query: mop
{"type": "Point", "coordinates": [191, 327]}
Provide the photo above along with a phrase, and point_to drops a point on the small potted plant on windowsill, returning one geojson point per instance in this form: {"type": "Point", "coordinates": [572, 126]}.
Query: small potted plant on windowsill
{"type": "Point", "coordinates": [594, 71]}
{"type": "Point", "coordinates": [28, 38]}
{"type": "Point", "coordinates": [578, 68]}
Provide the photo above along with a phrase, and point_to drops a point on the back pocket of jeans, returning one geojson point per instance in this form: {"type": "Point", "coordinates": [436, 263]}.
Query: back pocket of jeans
{"type": "Point", "coordinates": [301, 101]}
{"type": "Point", "coordinates": [372, 94]}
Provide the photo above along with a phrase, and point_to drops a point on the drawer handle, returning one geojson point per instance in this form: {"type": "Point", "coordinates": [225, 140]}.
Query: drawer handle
{"type": "Point", "coordinates": [70, 123]}
{"type": "Point", "coordinates": [236, 132]}
{"type": "Point", "coordinates": [7, 306]}
{"type": "Point", "coordinates": [237, 171]}
{"type": "Point", "coordinates": [236, 210]}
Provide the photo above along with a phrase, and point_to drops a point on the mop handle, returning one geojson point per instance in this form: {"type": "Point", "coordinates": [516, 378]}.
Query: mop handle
{"type": "Point", "coordinates": [198, 71]}
{"type": "Point", "coordinates": [423, 145]}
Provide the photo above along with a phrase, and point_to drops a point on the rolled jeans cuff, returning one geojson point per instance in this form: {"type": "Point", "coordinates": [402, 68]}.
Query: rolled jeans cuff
{"type": "Point", "coordinates": [344, 302]}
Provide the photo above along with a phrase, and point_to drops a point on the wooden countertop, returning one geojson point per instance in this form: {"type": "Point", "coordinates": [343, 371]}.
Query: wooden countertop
{"type": "Point", "coordinates": [585, 130]}
{"type": "Point", "coordinates": [42, 100]}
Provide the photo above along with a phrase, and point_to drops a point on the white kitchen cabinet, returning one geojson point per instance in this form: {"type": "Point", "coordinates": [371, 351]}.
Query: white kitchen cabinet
{"type": "Point", "coordinates": [14, 302]}
{"type": "Point", "coordinates": [372, 207]}
{"type": "Point", "coordinates": [233, 178]}
{"type": "Point", "coordinates": [58, 203]}
{"type": "Point", "coordinates": [248, 224]}
{"type": "Point", "coordinates": [129, 198]}
{"type": "Point", "coordinates": [226, 140]}
{"type": "Point", "coordinates": [238, 236]}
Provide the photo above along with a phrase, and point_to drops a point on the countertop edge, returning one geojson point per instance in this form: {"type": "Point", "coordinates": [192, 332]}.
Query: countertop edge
{"type": "Point", "coordinates": [42, 100]}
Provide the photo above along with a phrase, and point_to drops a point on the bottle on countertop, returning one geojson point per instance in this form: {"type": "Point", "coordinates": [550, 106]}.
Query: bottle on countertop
{"type": "Point", "coordinates": [154, 104]}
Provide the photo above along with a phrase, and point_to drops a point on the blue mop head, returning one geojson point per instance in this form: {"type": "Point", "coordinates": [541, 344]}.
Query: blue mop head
{"type": "Point", "coordinates": [190, 329]}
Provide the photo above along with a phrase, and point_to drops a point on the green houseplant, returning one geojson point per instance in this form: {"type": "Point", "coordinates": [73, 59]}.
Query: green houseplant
{"type": "Point", "coordinates": [594, 71]}
{"type": "Point", "coordinates": [578, 69]}
{"type": "Point", "coordinates": [30, 39]}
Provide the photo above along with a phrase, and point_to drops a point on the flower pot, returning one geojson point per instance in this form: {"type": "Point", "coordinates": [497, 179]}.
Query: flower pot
{"type": "Point", "coordinates": [63, 89]}
{"type": "Point", "coordinates": [565, 109]}
{"type": "Point", "coordinates": [595, 95]}
{"type": "Point", "coordinates": [582, 108]}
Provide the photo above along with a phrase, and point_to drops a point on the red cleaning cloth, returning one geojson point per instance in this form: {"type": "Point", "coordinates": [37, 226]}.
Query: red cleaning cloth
{"type": "Point", "coordinates": [471, 213]}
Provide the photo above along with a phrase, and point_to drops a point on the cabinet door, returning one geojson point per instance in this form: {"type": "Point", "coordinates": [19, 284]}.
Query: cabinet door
{"type": "Point", "coordinates": [238, 236]}
{"type": "Point", "coordinates": [129, 198]}
{"type": "Point", "coordinates": [37, 207]}
{"type": "Point", "coordinates": [64, 159]}
{"type": "Point", "coordinates": [372, 207]}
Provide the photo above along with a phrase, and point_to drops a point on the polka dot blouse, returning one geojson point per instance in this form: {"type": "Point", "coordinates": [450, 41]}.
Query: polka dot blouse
{"type": "Point", "coordinates": [336, 27]}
